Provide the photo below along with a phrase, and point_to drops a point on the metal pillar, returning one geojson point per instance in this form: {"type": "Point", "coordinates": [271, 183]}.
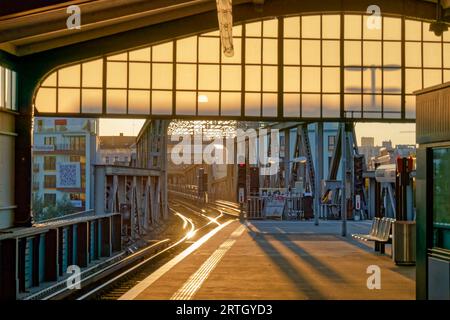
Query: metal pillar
{"type": "Point", "coordinates": [287, 158]}
{"type": "Point", "coordinates": [344, 177]}
{"type": "Point", "coordinates": [319, 171]}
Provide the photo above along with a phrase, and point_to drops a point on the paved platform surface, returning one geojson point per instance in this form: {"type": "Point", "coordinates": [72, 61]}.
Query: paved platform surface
{"type": "Point", "coordinates": [279, 260]}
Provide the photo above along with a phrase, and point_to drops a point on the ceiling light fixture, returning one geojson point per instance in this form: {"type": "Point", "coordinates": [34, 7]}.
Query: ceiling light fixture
{"type": "Point", "coordinates": [225, 17]}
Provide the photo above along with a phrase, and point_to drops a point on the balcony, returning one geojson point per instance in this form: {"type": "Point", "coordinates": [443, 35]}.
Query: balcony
{"type": "Point", "coordinates": [60, 148]}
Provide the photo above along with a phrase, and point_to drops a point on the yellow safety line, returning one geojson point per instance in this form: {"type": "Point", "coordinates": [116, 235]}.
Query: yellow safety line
{"type": "Point", "coordinates": [144, 284]}
{"type": "Point", "coordinates": [195, 281]}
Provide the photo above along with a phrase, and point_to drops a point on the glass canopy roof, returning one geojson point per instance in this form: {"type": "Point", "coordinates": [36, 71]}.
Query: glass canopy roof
{"type": "Point", "coordinates": [313, 67]}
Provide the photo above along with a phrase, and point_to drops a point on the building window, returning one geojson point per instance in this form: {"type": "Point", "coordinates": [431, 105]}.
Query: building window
{"type": "Point", "coordinates": [107, 160]}
{"type": "Point", "coordinates": [75, 159]}
{"type": "Point", "coordinates": [77, 143]}
{"type": "Point", "coordinates": [49, 141]}
{"type": "Point", "coordinates": [126, 159]}
{"type": "Point", "coordinates": [441, 191]}
{"type": "Point", "coordinates": [50, 163]}
{"type": "Point", "coordinates": [8, 89]}
{"type": "Point", "coordinates": [116, 159]}
{"type": "Point", "coordinates": [331, 143]}
{"type": "Point", "coordinates": [49, 199]}
{"type": "Point", "coordinates": [50, 182]}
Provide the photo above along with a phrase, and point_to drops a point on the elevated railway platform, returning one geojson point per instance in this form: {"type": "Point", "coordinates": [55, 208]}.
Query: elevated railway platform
{"type": "Point", "coordinates": [277, 260]}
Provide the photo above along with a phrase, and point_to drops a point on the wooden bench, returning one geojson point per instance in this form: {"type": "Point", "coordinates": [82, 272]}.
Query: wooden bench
{"type": "Point", "coordinates": [380, 233]}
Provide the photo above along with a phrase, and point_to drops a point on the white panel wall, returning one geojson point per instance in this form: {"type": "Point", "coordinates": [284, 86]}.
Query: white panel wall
{"type": "Point", "coordinates": [7, 140]}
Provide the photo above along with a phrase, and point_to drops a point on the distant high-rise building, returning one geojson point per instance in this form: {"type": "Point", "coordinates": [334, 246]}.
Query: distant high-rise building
{"type": "Point", "coordinates": [116, 150]}
{"type": "Point", "coordinates": [367, 141]}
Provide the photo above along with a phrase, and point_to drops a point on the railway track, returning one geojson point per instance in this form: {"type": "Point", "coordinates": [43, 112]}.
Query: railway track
{"type": "Point", "coordinates": [196, 222]}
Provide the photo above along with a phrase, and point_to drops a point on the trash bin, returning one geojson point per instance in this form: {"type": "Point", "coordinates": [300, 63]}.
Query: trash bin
{"type": "Point", "coordinates": [404, 242]}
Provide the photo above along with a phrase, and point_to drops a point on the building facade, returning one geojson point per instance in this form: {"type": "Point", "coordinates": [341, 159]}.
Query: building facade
{"type": "Point", "coordinates": [64, 152]}
{"type": "Point", "coordinates": [116, 150]}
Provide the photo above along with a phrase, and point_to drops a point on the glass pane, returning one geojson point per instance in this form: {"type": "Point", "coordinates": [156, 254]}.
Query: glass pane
{"type": "Point", "coordinates": [139, 75]}
{"type": "Point", "coordinates": [372, 78]}
{"type": "Point", "coordinates": [291, 105]}
{"type": "Point", "coordinates": [116, 101]}
{"type": "Point", "coordinates": [270, 28]}
{"type": "Point", "coordinates": [50, 81]}
{"type": "Point", "coordinates": [215, 33]}
{"type": "Point", "coordinates": [231, 103]}
{"type": "Point", "coordinates": [352, 80]}
{"type": "Point", "coordinates": [331, 105]}
{"type": "Point", "coordinates": [116, 75]}
{"type": "Point", "coordinates": [352, 53]}
{"type": "Point", "coordinates": [431, 78]}
{"type": "Point", "coordinates": [92, 100]}
{"type": "Point", "coordinates": [370, 33]}
{"type": "Point", "coordinates": [208, 77]}
{"type": "Point", "coordinates": [390, 104]}
{"type": "Point", "coordinates": [392, 80]}
{"type": "Point", "coordinates": [331, 26]}
{"type": "Point", "coordinates": [413, 30]}
{"type": "Point", "coordinates": [93, 73]}
{"type": "Point", "coordinates": [2, 91]}
{"type": "Point", "coordinates": [311, 26]}
{"type": "Point", "coordinates": [270, 79]}
{"type": "Point", "coordinates": [291, 52]}
{"type": "Point", "coordinates": [372, 105]}
{"type": "Point", "coordinates": [46, 100]}
{"type": "Point", "coordinates": [429, 35]}
{"type": "Point", "coordinates": [292, 27]}
{"type": "Point", "coordinates": [291, 79]}
{"type": "Point", "coordinates": [253, 29]}
{"type": "Point", "coordinates": [140, 55]}
{"type": "Point", "coordinates": [236, 58]}
{"type": "Point", "coordinates": [392, 28]}
{"type": "Point", "coordinates": [331, 55]}
{"type": "Point", "coordinates": [14, 90]}
{"type": "Point", "coordinates": [372, 53]}
{"type": "Point", "coordinates": [186, 76]}
{"type": "Point", "coordinates": [162, 77]}
{"type": "Point", "coordinates": [237, 31]}
{"type": "Point", "coordinates": [311, 52]}
{"type": "Point", "coordinates": [311, 79]}
{"type": "Point", "coordinates": [441, 205]}
{"type": "Point", "coordinates": [311, 105]}
{"type": "Point", "coordinates": [270, 51]}
{"type": "Point", "coordinates": [410, 107]}
{"type": "Point", "coordinates": [252, 104]}
{"type": "Point", "coordinates": [211, 106]}
{"type": "Point", "coordinates": [209, 50]}
{"type": "Point", "coordinates": [413, 54]}
{"type": "Point", "coordinates": [331, 80]}
{"type": "Point", "coordinates": [432, 55]}
{"type": "Point", "coordinates": [161, 102]}
{"type": "Point", "coordinates": [446, 75]}
{"type": "Point", "coordinates": [7, 88]}
{"type": "Point", "coordinates": [69, 77]}
{"type": "Point", "coordinates": [413, 80]}
{"type": "Point", "coordinates": [446, 55]}
{"type": "Point", "coordinates": [352, 27]}
{"type": "Point", "coordinates": [138, 102]}
{"type": "Point", "coordinates": [392, 54]}
{"type": "Point", "coordinates": [119, 57]}
{"type": "Point", "coordinates": [187, 50]}
{"type": "Point", "coordinates": [269, 105]}
{"type": "Point", "coordinates": [352, 105]}
{"type": "Point", "coordinates": [163, 52]}
{"type": "Point", "coordinates": [231, 78]}
{"type": "Point", "coordinates": [69, 100]}
{"type": "Point", "coordinates": [186, 103]}
{"type": "Point", "coordinates": [253, 78]}
{"type": "Point", "coordinates": [253, 51]}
